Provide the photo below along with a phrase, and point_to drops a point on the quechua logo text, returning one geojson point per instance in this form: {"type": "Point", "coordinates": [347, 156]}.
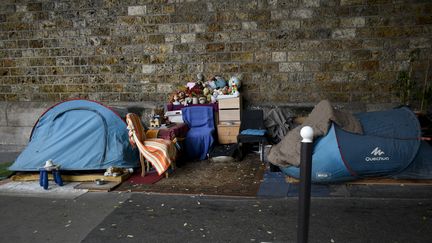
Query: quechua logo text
{"type": "Point", "coordinates": [377, 154]}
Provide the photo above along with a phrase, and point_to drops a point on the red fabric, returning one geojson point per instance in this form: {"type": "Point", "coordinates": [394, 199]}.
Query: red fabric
{"type": "Point", "coordinates": [150, 177]}
{"type": "Point", "coordinates": [179, 130]}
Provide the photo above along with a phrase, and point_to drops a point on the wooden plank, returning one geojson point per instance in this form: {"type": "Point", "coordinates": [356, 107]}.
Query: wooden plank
{"type": "Point", "coordinates": [78, 178]}
{"type": "Point", "coordinates": [93, 187]}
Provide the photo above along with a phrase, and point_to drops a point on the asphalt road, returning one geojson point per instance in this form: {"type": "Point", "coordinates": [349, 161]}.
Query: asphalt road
{"type": "Point", "coordinates": [138, 217]}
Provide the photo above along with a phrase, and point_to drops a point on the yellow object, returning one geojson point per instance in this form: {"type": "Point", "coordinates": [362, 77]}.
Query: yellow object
{"type": "Point", "coordinates": [152, 133]}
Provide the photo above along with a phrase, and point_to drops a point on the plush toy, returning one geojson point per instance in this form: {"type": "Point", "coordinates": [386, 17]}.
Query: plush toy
{"type": "Point", "coordinates": [181, 96]}
{"type": "Point", "coordinates": [234, 90]}
{"type": "Point", "coordinates": [200, 78]}
{"type": "Point", "coordinates": [224, 90]}
{"type": "Point", "coordinates": [220, 82]}
{"type": "Point", "coordinates": [206, 91]}
{"type": "Point", "coordinates": [214, 96]}
{"type": "Point", "coordinates": [202, 100]}
{"type": "Point", "coordinates": [176, 99]}
{"type": "Point", "coordinates": [206, 94]}
{"type": "Point", "coordinates": [190, 85]}
{"type": "Point", "coordinates": [188, 100]}
{"type": "Point", "coordinates": [155, 121]}
{"type": "Point", "coordinates": [211, 83]}
{"type": "Point", "coordinates": [234, 80]}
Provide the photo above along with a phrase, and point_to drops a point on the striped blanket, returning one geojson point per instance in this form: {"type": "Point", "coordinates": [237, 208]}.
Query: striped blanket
{"type": "Point", "coordinates": [159, 152]}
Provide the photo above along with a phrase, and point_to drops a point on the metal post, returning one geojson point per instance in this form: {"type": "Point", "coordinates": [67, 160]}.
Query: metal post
{"type": "Point", "coordinates": [305, 184]}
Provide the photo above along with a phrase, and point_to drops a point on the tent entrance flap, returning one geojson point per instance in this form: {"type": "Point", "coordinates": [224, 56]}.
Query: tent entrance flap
{"type": "Point", "coordinates": [102, 140]}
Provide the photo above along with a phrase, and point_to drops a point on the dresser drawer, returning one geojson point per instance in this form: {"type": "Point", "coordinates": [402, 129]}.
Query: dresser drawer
{"type": "Point", "coordinates": [229, 103]}
{"type": "Point", "coordinates": [229, 115]}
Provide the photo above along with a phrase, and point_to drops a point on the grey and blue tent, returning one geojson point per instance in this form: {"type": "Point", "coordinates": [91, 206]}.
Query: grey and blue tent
{"type": "Point", "coordinates": [78, 135]}
{"type": "Point", "coordinates": [389, 146]}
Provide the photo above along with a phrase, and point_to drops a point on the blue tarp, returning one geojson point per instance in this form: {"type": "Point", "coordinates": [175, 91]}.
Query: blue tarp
{"type": "Point", "coordinates": [78, 135]}
{"type": "Point", "coordinates": [389, 146]}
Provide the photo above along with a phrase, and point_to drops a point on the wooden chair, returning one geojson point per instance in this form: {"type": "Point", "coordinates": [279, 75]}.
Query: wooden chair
{"type": "Point", "coordinates": [161, 153]}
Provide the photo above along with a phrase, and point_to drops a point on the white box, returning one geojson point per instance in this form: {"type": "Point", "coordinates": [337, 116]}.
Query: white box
{"type": "Point", "coordinates": [174, 116]}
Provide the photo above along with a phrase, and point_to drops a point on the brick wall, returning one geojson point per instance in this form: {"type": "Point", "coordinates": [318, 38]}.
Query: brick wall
{"type": "Point", "coordinates": [290, 51]}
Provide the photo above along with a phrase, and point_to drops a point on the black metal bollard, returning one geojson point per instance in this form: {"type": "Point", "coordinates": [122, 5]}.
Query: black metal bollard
{"type": "Point", "coordinates": [305, 184]}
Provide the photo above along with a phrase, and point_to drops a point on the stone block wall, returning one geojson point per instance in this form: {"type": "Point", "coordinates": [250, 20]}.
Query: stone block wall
{"type": "Point", "coordinates": [291, 52]}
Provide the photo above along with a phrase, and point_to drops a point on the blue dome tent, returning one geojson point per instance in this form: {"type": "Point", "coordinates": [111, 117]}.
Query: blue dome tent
{"type": "Point", "coordinates": [78, 135]}
{"type": "Point", "coordinates": [389, 146]}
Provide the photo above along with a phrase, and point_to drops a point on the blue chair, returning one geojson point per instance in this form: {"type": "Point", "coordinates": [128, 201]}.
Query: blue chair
{"type": "Point", "coordinates": [199, 138]}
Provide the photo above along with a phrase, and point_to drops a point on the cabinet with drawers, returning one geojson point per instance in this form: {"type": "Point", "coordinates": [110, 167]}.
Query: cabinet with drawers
{"type": "Point", "coordinates": [229, 120]}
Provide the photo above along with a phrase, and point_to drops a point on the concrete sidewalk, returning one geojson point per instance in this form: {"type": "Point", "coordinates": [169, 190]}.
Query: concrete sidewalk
{"type": "Point", "coordinates": [45, 219]}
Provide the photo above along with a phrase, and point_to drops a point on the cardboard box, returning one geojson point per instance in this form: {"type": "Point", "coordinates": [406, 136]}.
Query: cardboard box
{"type": "Point", "coordinates": [227, 133]}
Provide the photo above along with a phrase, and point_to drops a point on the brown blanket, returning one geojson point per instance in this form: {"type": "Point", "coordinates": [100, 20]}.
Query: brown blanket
{"type": "Point", "coordinates": [287, 152]}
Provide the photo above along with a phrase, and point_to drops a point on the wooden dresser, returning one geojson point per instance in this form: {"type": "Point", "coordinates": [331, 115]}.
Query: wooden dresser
{"type": "Point", "coordinates": [228, 122]}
